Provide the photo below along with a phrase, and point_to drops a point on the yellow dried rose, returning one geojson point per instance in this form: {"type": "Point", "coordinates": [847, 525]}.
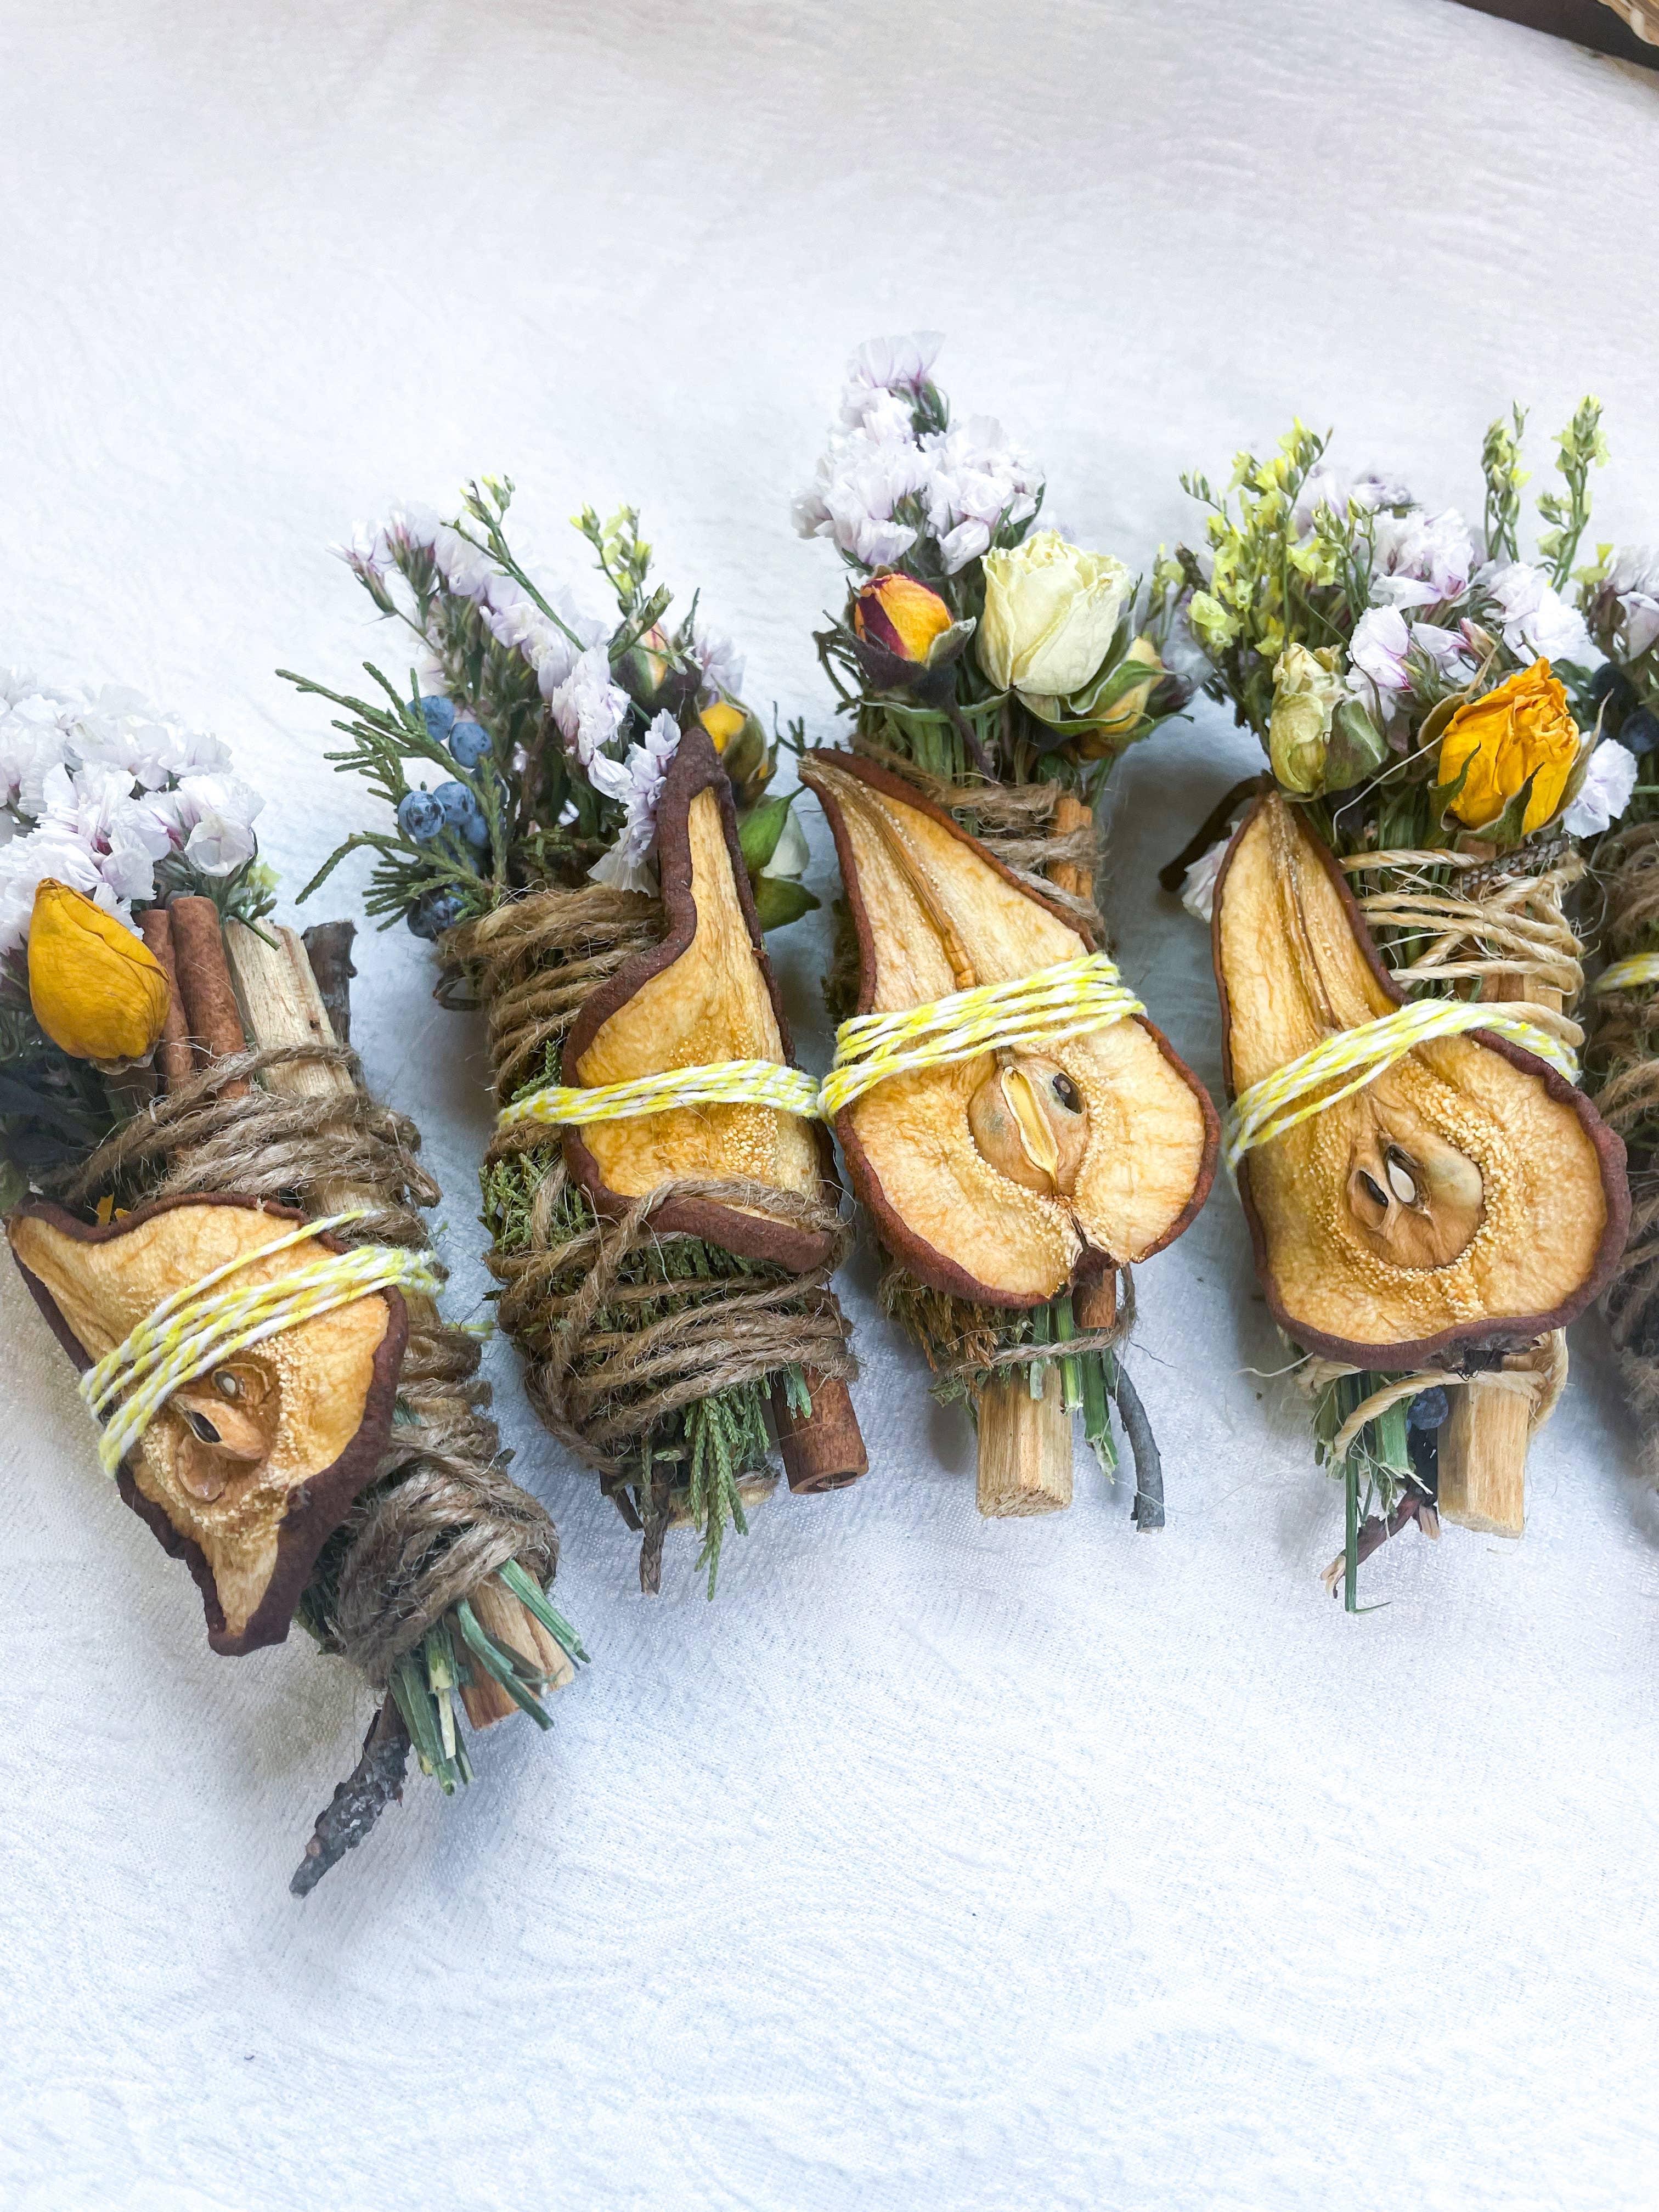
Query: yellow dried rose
{"type": "Point", "coordinates": [1129, 706]}
{"type": "Point", "coordinates": [1521, 729]}
{"type": "Point", "coordinates": [97, 989]}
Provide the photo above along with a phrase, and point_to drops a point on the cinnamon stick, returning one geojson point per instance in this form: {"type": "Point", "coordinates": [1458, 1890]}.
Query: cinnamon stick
{"type": "Point", "coordinates": [198, 952]}
{"type": "Point", "coordinates": [173, 1057]}
{"type": "Point", "coordinates": [822, 1450]}
{"type": "Point", "coordinates": [1071, 814]}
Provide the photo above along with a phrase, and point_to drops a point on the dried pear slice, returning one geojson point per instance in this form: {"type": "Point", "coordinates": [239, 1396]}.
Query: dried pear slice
{"type": "Point", "coordinates": [1469, 1196]}
{"type": "Point", "coordinates": [1006, 1178]}
{"type": "Point", "coordinates": [246, 1473]}
{"type": "Point", "coordinates": [705, 995]}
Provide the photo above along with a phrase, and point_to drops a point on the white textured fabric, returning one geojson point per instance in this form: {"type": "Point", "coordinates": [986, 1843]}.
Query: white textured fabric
{"type": "Point", "coordinates": [940, 1862]}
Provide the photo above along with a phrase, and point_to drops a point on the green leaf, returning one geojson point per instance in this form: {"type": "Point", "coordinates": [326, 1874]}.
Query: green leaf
{"type": "Point", "coordinates": [1509, 829]}
{"type": "Point", "coordinates": [779, 900]}
{"type": "Point", "coordinates": [759, 831]}
{"type": "Point", "coordinates": [1357, 748]}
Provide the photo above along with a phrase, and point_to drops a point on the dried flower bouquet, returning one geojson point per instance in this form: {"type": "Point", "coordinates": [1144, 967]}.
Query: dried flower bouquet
{"type": "Point", "coordinates": [1431, 1196]}
{"type": "Point", "coordinates": [221, 1226]}
{"type": "Point", "coordinates": [1017, 1129]}
{"type": "Point", "coordinates": [597, 858]}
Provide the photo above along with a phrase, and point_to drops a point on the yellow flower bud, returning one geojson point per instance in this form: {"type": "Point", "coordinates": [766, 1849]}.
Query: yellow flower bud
{"type": "Point", "coordinates": [1521, 729]}
{"type": "Point", "coordinates": [97, 989]}
{"type": "Point", "coordinates": [1307, 690]}
{"type": "Point", "coordinates": [896, 612]}
{"type": "Point", "coordinates": [1128, 708]}
{"type": "Point", "coordinates": [722, 721]}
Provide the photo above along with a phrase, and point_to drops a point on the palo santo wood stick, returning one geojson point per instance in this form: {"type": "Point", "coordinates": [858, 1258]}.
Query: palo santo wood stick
{"type": "Point", "coordinates": [1483, 1443]}
{"type": "Point", "coordinates": [1024, 1447]}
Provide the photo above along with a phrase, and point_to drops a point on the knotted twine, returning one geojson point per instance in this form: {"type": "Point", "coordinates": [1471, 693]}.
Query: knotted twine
{"type": "Point", "coordinates": [1625, 1051]}
{"type": "Point", "coordinates": [441, 1516]}
{"type": "Point", "coordinates": [600, 1379]}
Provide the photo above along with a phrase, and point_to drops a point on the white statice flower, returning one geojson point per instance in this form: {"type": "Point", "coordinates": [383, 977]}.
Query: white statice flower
{"type": "Point", "coordinates": [34, 738]}
{"type": "Point", "coordinates": [1633, 579]}
{"type": "Point", "coordinates": [413, 525]}
{"type": "Point", "coordinates": [866, 483]}
{"type": "Point", "coordinates": [91, 835]}
{"type": "Point", "coordinates": [1536, 621]}
{"type": "Point", "coordinates": [466, 571]}
{"type": "Point", "coordinates": [1376, 658]}
{"type": "Point", "coordinates": [121, 729]}
{"type": "Point", "coordinates": [589, 710]}
{"type": "Point", "coordinates": [1198, 885]}
{"type": "Point", "coordinates": [1332, 488]}
{"type": "Point", "coordinates": [209, 819]}
{"type": "Point", "coordinates": [888, 366]}
{"type": "Point", "coordinates": [624, 866]}
{"type": "Point", "coordinates": [1609, 780]}
{"type": "Point", "coordinates": [718, 657]}
{"type": "Point", "coordinates": [552, 648]}
{"type": "Point", "coordinates": [976, 482]}
{"type": "Point", "coordinates": [1421, 560]}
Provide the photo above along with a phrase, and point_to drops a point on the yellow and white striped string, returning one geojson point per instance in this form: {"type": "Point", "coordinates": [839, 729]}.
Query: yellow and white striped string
{"type": "Point", "coordinates": [1630, 975]}
{"type": "Point", "coordinates": [1067, 1000]}
{"type": "Point", "coordinates": [1294, 1093]}
{"type": "Point", "coordinates": [199, 1328]}
{"type": "Point", "coordinates": [724, 1083]}
{"type": "Point", "coordinates": [1070, 999]}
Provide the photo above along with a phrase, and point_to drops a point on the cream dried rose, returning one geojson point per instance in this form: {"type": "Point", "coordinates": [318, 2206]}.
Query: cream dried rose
{"type": "Point", "coordinates": [1051, 609]}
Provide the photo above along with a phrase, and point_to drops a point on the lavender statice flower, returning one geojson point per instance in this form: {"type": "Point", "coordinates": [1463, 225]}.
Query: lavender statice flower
{"type": "Point", "coordinates": [121, 729]}
{"type": "Point", "coordinates": [888, 368]}
{"type": "Point", "coordinates": [721, 663]}
{"type": "Point", "coordinates": [623, 867]}
{"type": "Point", "coordinates": [977, 482]}
{"type": "Point", "coordinates": [1376, 660]}
{"type": "Point", "coordinates": [1421, 560]}
{"type": "Point", "coordinates": [590, 710]}
{"type": "Point", "coordinates": [1633, 580]}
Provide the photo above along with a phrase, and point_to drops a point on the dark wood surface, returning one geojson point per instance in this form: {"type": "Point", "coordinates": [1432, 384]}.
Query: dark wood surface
{"type": "Point", "coordinates": [1587, 22]}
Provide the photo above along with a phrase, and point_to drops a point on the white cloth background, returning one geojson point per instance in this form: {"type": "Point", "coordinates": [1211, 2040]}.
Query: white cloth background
{"type": "Point", "coordinates": [940, 1862]}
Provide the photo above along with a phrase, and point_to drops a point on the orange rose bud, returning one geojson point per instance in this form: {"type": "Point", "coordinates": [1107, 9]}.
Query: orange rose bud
{"type": "Point", "coordinates": [900, 615]}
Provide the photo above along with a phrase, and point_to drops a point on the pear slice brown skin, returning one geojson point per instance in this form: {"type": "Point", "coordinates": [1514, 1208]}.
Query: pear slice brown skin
{"type": "Point", "coordinates": [967, 1191]}
{"type": "Point", "coordinates": [706, 993]}
{"type": "Point", "coordinates": [320, 1398]}
{"type": "Point", "coordinates": [1469, 1199]}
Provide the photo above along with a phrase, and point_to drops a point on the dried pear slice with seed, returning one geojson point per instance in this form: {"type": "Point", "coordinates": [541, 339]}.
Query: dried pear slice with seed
{"type": "Point", "coordinates": [705, 995]}
{"type": "Point", "coordinates": [1006, 1178]}
{"type": "Point", "coordinates": [246, 1472]}
{"type": "Point", "coordinates": [1469, 1196]}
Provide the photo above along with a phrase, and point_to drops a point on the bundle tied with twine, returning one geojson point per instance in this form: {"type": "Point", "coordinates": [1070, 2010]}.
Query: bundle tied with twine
{"type": "Point", "coordinates": [605, 1363]}
{"type": "Point", "coordinates": [441, 1516]}
{"type": "Point", "coordinates": [1625, 1071]}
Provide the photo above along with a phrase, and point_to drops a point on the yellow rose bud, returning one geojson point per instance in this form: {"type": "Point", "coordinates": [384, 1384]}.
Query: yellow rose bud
{"type": "Point", "coordinates": [97, 989]}
{"type": "Point", "coordinates": [722, 721]}
{"type": "Point", "coordinates": [1051, 610]}
{"type": "Point", "coordinates": [1307, 690]}
{"type": "Point", "coordinates": [1521, 729]}
{"type": "Point", "coordinates": [903, 616]}
{"type": "Point", "coordinates": [1129, 708]}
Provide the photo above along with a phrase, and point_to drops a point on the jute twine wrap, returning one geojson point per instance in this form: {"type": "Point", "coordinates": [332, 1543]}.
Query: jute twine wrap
{"type": "Point", "coordinates": [442, 1515]}
{"type": "Point", "coordinates": [598, 1384]}
{"type": "Point", "coordinates": [1013, 821]}
{"type": "Point", "coordinates": [1539, 1375]}
{"type": "Point", "coordinates": [1625, 1046]}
